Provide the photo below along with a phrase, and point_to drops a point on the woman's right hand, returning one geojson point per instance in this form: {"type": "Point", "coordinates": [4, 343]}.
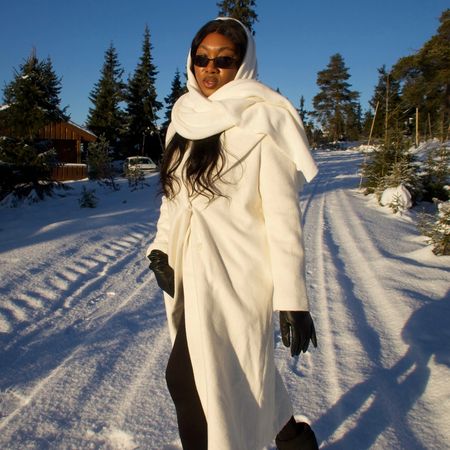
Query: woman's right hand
{"type": "Point", "coordinates": [159, 263]}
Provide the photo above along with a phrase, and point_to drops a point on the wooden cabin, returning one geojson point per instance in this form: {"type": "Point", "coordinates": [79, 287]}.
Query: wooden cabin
{"type": "Point", "coordinates": [68, 140]}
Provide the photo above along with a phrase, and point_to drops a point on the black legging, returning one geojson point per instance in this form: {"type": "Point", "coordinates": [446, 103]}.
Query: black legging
{"type": "Point", "coordinates": [192, 424]}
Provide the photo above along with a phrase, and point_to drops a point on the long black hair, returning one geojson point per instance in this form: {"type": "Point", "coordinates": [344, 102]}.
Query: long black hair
{"type": "Point", "coordinates": [206, 159]}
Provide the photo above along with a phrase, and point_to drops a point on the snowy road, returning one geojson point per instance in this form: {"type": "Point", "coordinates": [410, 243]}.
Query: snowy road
{"type": "Point", "coordinates": [84, 342]}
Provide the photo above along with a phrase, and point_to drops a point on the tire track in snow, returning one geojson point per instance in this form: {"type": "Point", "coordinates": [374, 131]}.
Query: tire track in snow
{"type": "Point", "coordinates": [320, 272]}
{"type": "Point", "coordinates": [313, 378]}
{"type": "Point", "coordinates": [91, 277]}
{"type": "Point", "coordinates": [380, 314]}
{"type": "Point", "coordinates": [89, 316]}
{"type": "Point", "coordinates": [76, 375]}
{"type": "Point", "coordinates": [60, 333]}
{"type": "Point", "coordinates": [372, 412]}
{"type": "Point", "coordinates": [365, 266]}
{"type": "Point", "coordinates": [333, 311]}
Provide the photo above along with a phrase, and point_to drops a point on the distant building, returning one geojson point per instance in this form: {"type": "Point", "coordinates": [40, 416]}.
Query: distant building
{"type": "Point", "coordinates": [69, 140]}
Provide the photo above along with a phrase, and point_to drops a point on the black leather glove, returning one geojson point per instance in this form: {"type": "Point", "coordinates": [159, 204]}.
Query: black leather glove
{"type": "Point", "coordinates": [159, 263]}
{"type": "Point", "coordinates": [297, 329]}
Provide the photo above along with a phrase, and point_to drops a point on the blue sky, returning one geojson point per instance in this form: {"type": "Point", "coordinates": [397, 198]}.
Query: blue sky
{"type": "Point", "coordinates": [294, 38]}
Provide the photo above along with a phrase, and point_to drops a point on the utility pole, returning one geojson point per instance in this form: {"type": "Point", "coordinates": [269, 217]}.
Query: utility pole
{"type": "Point", "coordinates": [386, 117]}
{"type": "Point", "coordinates": [373, 123]}
{"type": "Point", "coordinates": [429, 126]}
{"type": "Point", "coordinates": [417, 127]}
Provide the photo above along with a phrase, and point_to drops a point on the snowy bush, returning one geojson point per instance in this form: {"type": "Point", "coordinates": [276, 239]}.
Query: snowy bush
{"type": "Point", "coordinates": [100, 165]}
{"type": "Point", "coordinates": [390, 167]}
{"type": "Point", "coordinates": [25, 168]}
{"type": "Point", "coordinates": [437, 228]}
{"type": "Point", "coordinates": [136, 179]}
{"type": "Point", "coordinates": [401, 173]}
{"type": "Point", "coordinates": [88, 198]}
{"type": "Point", "coordinates": [436, 173]}
{"type": "Point", "coordinates": [398, 198]}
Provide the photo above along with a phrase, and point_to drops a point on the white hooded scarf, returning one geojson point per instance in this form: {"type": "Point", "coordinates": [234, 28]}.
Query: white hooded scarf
{"type": "Point", "coordinates": [247, 104]}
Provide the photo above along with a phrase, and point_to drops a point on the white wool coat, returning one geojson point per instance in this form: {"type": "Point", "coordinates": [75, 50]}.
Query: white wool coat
{"type": "Point", "coordinates": [237, 259]}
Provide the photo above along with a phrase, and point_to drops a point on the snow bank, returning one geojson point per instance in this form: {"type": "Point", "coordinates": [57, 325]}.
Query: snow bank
{"type": "Point", "coordinates": [363, 148]}
{"type": "Point", "coordinates": [422, 151]}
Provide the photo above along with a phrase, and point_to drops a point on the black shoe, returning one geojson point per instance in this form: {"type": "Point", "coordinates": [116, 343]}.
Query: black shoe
{"type": "Point", "coordinates": [304, 440]}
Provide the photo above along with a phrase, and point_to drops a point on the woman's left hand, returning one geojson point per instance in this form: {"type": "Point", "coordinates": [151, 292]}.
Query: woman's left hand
{"type": "Point", "coordinates": [164, 274]}
{"type": "Point", "coordinates": [297, 329]}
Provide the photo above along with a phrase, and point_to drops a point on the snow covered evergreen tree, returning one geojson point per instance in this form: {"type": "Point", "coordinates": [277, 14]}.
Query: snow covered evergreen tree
{"type": "Point", "coordinates": [437, 228]}
{"type": "Point", "coordinates": [87, 198]}
{"type": "Point", "coordinates": [176, 91]}
{"type": "Point", "coordinates": [336, 103]}
{"type": "Point", "coordinates": [32, 98]}
{"type": "Point", "coordinates": [31, 102]}
{"type": "Point", "coordinates": [142, 106]}
{"type": "Point", "coordinates": [100, 163]}
{"type": "Point", "coordinates": [136, 179]}
{"type": "Point", "coordinates": [436, 174]}
{"type": "Point", "coordinates": [243, 10]}
{"type": "Point", "coordinates": [389, 167]}
{"type": "Point", "coordinates": [106, 116]}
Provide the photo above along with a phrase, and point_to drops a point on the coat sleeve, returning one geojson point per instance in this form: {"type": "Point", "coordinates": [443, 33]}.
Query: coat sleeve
{"type": "Point", "coordinates": [280, 183]}
{"type": "Point", "coordinates": [161, 241]}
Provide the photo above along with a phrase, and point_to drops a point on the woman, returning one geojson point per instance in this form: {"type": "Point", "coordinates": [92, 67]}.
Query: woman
{"type": "Point", "coordinates": [228, 249]}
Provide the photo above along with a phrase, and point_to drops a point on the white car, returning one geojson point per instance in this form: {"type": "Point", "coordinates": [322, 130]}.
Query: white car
{"type": "Point", "coordinates": [143, 163]}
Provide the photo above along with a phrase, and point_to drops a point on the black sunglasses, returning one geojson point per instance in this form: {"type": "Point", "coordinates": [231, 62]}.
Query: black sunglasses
{"type": "Point", "coordinates": [221, 62]}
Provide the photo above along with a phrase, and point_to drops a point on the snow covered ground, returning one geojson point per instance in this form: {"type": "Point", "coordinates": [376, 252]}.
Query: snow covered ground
{"type": "Point", "coordinates": [84, 344]}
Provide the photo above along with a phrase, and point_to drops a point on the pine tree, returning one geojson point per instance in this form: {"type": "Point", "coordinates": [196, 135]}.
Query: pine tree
{"type": "Point", "coordinates": [243, 10]}
{"type": "Point", "coordinates": [367, 124]}
{"type": "Point", "coordinates": [390, 166]}
{"type": "Point", "coordinates": [437, 228]}
{"type": "Point", "coordinates": [142, 105]}
{"type": "Point", "coordinates": [301, 110]}
{"type": "Point", "coordinates": [32, 101]}
{"type": "Point", "coordinates": [353, 121]}
{"type": "Point", "coordinates": [436, 173]}
{"type": "Point", "coordinates": [88, 198]}
{"type": "Point", "coordinates": [387, 96]}
{"type": "Point", "coordinates": [177, 90]}
{"type": "Point", "coordinates": [106, 116]}
{"type": "Point", "coordinates": [308, 124]}
{"type": "Point", "coordinates": [100, 163]}
{"type": "Point", "coordinates": [32, 98]}
{"type": "Point", "coordinates": [335, 103]}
